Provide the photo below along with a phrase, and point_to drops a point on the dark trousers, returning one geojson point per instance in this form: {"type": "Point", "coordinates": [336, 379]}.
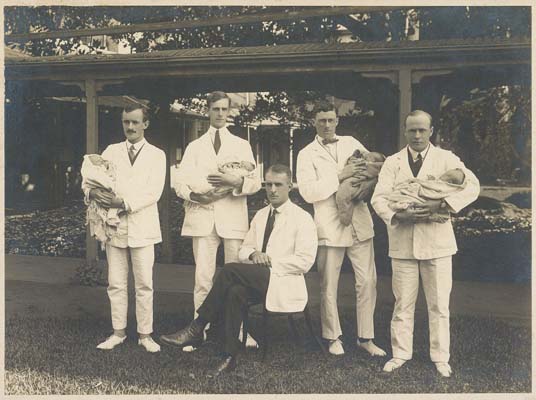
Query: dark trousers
{"type": "Point", "coordinates": [235, 286]}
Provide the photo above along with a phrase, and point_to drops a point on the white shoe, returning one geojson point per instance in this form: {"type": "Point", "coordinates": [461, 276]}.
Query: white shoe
{"type": "Point", "coordinates": [111, 342]}
{"type": "Point", "coordinates": [335, 348]}
{"type": "Point", "coordinates": [444, 369]}
{"type": "Point", "coordinates": [392, 364]}
{"type": "Point", "coordinates": [150, 345]}
{"type": "Point", "coordinates": [371, 348]}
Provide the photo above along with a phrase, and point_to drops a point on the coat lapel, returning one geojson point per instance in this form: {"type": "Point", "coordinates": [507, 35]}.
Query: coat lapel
{"type": "Point", "coordinates": [141, 157]}
{"type": "Point", "coordinates": [405, 169]}
{"type": "Point", "coordinates": [124, 154]}
{"type": "Point", "coordinates": [281, 221]}
{"type": "Point", "coordinates": [427, 163]}
{"type": "Point", "coordinates": [322, 152]}
{"type": "Point", "coordinates": [209, 147]}
{"type": "Point", "coordinates": [263, 218]}
{"type": "Point", "coordinates": [342, 150]}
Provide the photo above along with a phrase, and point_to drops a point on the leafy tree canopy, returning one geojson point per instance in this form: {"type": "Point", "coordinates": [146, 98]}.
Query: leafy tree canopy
{"type": "Point", "coordinates": [480, 122]}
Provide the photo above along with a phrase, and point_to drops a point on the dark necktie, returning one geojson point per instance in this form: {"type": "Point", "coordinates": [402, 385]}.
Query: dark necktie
{"type": "Point", "coordinates": [328, 141]}
{"type": "Point", "coordinates": [217, 141]}
{"type": "Point", "coordinates": [417, 164]}
{"type": "Point", "coordinates": [268, 229]}
{"type": "Point", "coordinates": [132, 154]}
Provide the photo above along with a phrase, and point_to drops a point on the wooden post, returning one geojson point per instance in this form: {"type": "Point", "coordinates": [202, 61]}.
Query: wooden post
{"type": "Point", "coordinates": [92, 146]}
{"type": "Point", "coordinates": [404, 103]}
{"type": "Point", "coordinates": [167, 250]}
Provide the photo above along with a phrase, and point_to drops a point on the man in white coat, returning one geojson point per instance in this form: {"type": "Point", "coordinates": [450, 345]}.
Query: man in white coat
{"type": "Point", "coordinates": [321, 167]}
{"type": "Point", "coordinates": [213, 217]}
{"type": "Point", "coordinates": [140, 176]}
{"type": "Point", "coordinates": [278, 249]}
{"type": "Point", "coordinates": [418, 246]}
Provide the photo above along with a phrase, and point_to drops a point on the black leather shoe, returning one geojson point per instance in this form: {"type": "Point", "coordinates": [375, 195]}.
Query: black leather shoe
{"type": "Point", "coordinates": [226, 365]}
{"type": "Point", "coordinates": [192, 335]}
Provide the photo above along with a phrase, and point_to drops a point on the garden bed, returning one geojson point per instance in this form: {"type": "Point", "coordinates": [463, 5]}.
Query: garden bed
{"type": "Point", "coordinates": [494, 238]}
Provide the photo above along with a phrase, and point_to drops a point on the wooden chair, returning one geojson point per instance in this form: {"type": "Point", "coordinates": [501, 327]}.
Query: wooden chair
{"type": "Point", "coordinates": [291, 321]}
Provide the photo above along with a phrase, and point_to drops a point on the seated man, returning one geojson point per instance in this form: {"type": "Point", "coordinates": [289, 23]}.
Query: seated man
{"type": "Point", "coordinates": [278, 249]}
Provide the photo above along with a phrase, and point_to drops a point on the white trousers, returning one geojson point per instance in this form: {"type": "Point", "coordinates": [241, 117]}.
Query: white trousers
{"type": "Point", "coordinates": [329, 261]}
{"type": "Point", "coordinates": [142, 259]}
{"type": "Point", "coordinates": [436, 277]}
{"type": "Point", "coordinates": [205, 249]}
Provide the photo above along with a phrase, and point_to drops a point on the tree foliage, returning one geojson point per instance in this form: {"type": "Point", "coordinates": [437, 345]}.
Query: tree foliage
{"type": "Point", "coordinates": [478, 123]}
{"type": "Point", "coordinates": [490, 130]}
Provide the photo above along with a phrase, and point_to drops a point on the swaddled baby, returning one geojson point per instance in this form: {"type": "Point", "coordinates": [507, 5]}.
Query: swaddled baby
{"type": "Point", "coordinates": [230, 165]}
{"type": "Point", "coordinates": [360, 185]}
{"type": "Point", "coordinates": [416, 191]}
{"type": "Point", "coordinates": [99, 173]}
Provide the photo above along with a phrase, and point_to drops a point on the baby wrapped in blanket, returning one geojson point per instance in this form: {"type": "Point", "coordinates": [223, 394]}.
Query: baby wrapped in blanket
{"type": "Point", "coordinates": [99, 173]}
{"type": "Point", "coordinates": [416, 191]}
{"type": "Point", "coordinates": [230, 165]}
{"type": "Point", "coordinates": [360, 185]}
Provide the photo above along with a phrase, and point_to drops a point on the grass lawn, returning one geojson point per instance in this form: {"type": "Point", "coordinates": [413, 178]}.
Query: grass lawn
{"type": "Point", "coordinates": [51, 355]}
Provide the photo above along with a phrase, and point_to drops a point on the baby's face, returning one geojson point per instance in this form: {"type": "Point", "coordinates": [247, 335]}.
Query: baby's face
{"type": "Point", "coordinates": [248, 166]}
{"type": "Point", "coordinates": [373, 157]}
{"type": "Point", "coordinates": [96, 159]}
{"type": "Point", "coordinates": [454, 176]}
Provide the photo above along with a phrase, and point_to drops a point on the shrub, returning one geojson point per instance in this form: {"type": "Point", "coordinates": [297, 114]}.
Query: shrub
{"type": "Point", "coordinates": [521, 199]}
{"type": "Point", "coordinates": [92, 273]}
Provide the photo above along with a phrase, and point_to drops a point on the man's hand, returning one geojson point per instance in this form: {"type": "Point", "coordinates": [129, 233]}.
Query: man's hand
{"type": "Point", "coordinates": [412, 215]}
{"type": "Point", "coordinates": [350, 170]}
{"type": "Point", "coordinates": [432, 206]}
{"type": "Point", "coordinates": [366, 190]}
{"type": "Point", "coordinates": [261, 259]}
{"type": "Point", "coordinates": [210, 197]}
{"type": "Point", "coordinates": [101, 196]}
{"type": "Point", "coordinates": [105, 198]}
{"type": "Point", "coordinates": [217, 180]}
{"type": "Point", "coordinates": [117, 202]}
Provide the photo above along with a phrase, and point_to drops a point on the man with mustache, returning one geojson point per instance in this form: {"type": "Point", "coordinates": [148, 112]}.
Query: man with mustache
{"type": "Point", "coordinates": [140, 176]}
{"type": "Point", "coordinates": [215, 216]}
{"type": "Point", "coordinates": [321, 168]}
{"type": "Point", "coordinates": [418, 245]}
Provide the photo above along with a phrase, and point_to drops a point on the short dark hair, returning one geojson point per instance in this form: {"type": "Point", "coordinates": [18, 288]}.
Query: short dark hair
{"type": "Point", "coordinates": [134, 107]}
{"type": "Point", "coordinates": [215, 96]}
{"type": "Point", "coordinates": [280, 169]}
{"type": "Point", "coordinates": [323, 106]}
{"type": "Point", "coordinates": [417, 113]}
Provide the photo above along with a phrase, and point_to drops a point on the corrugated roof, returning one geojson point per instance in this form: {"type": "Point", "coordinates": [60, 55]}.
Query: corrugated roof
{"type": "Point", "coordinates": [274, 50]}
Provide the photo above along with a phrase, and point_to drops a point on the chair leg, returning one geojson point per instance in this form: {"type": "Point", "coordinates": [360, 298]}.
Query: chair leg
{"type": "Point", "coordinates": [264, 333]}
{"type": "Point", "coordinates": [245, 327]}
{"type": "Point", "coordinates": [311, 331]}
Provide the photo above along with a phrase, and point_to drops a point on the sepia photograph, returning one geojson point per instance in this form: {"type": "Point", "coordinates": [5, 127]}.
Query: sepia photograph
{"type": "Point", "coordinates": [267, 200]}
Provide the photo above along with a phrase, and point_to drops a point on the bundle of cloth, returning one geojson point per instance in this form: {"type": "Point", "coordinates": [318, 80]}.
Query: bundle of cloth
{"type": "Point", "coordinates": [99, 173]}
{"type": "Point", "coordinates": [360, 185]}
{"type": "Point", "coordinates": [416, 191]}
{"type": "Point", "coordinates": [230, 165]}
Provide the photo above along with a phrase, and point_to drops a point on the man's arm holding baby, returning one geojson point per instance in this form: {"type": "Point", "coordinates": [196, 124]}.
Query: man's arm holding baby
{"type": "Point", "coordinates": [106, 198]}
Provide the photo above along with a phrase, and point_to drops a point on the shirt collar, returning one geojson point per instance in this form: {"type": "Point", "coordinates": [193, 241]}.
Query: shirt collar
{"type": "Point", "coordinates": [282, 208]}
{"type": "Point", "coordinates": [212, 132]}
{"type": "Point", "coordinates": [319, 139]}
{"type": "Point", "coordinates": [414, 153]}
{"type": "Point", "coordinates": [137, 146]}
